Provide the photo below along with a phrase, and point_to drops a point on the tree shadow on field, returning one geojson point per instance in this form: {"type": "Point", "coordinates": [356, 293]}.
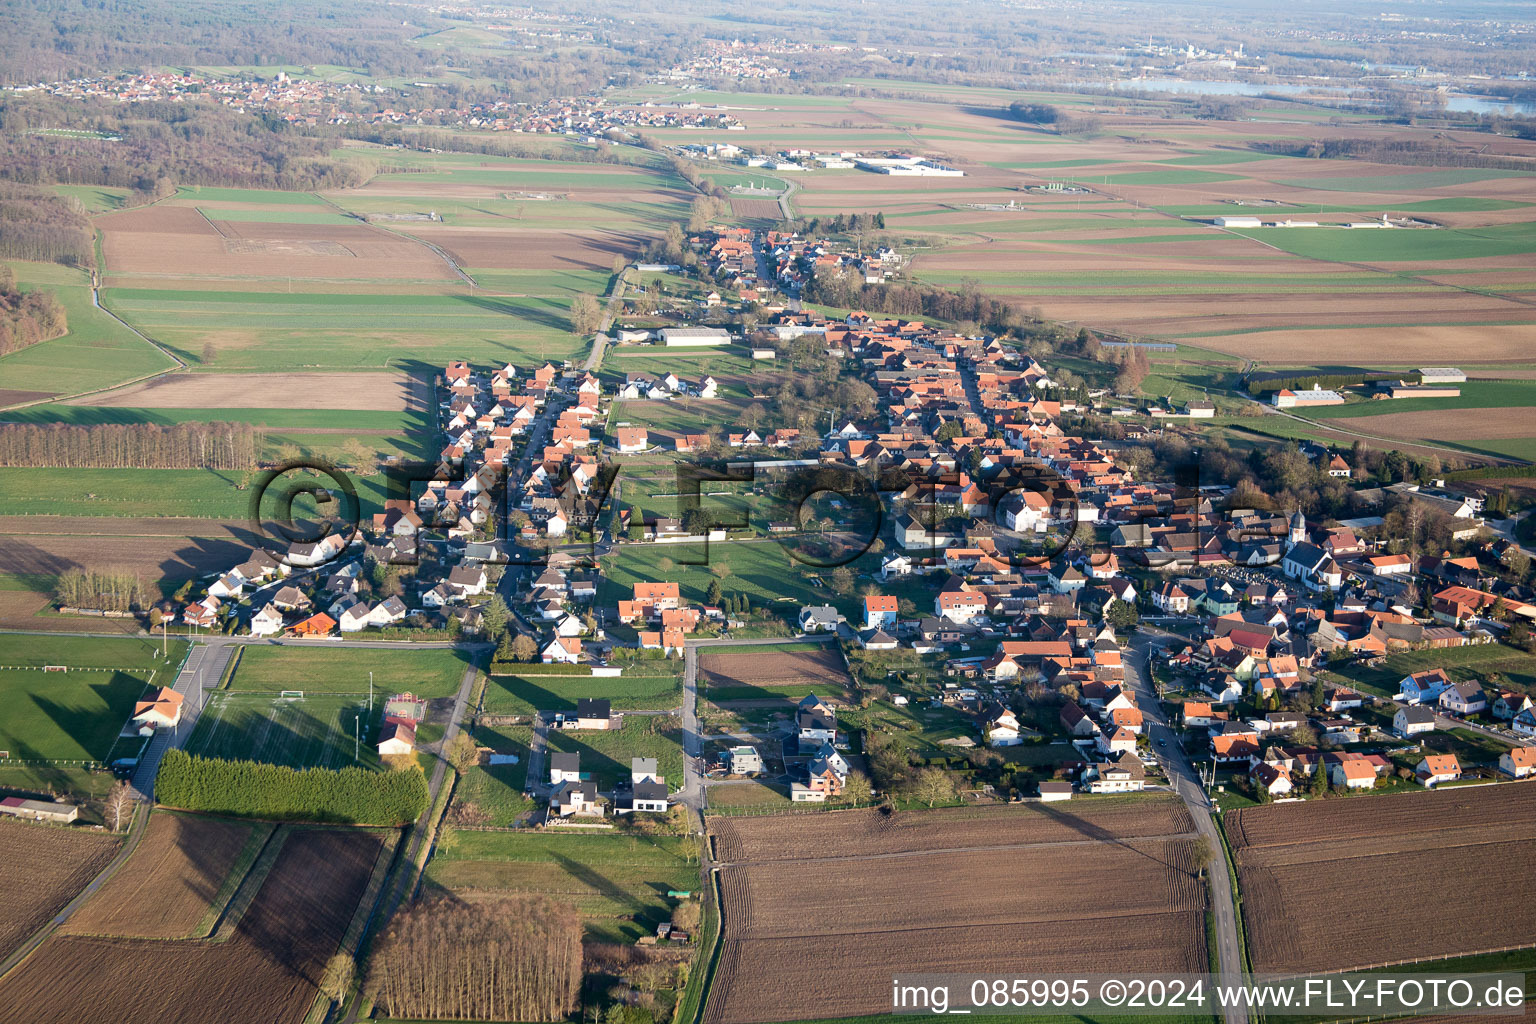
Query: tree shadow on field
{"type": "Point", "coordinates": [205, 555]}
{"type": "Point", "coordinates": [24, 558]}
{"type": "Point", "coordinates": [1098, 832]}
{"type": "Point", "coordinates": [601, 885]}
{"type": "Point", "coordinates": [530, 312]}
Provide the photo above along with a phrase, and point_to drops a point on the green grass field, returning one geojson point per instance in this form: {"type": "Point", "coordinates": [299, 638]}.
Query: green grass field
{"type": "Point", "coordinates": [316, 731]}
{"type": "Point", "coordinates": [1408, 181]}
{"type": "Point", "coordinates": [498, 789]}
{"type": "Point", "coordinates": [74, 715]}
{"type": "Point", "coordinates": [430, 673]}
{"type": "Point", "coordinates": [762, 570]}
{"type": "Point", "coordinates": [1173, 177]}
{"type": "Point", "coordinates": [1475, 394]}
{"type": "Point", "coordinates": [605, 756]}
{"type": "Point", "coordinates": [789, 693]}
{"type": "Point", "coordinates": [1398, 245]}
{"type": "Point", "coordinates": [633, 691]}
{"type": "Point", "coordinates": [618, 881]}
{"type": "Point", "coordinates": [1482, 662]}
{"type": "Point", "coordinates": [277, 216]}
{"type": "Point", "coordinates": [95, 198]}
{"type": "Point", "coordinates": [260, 330]}
{"type": "Point", "coordinates": [97, 352]}
{"type": "Point", "coordinates": [194, 493]}
{"type": "Point", "coordinates": [271, 197]}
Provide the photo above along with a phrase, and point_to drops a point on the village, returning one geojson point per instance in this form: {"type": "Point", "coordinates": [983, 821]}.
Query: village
{"type": "Point", "coordinates": [1084, 624]}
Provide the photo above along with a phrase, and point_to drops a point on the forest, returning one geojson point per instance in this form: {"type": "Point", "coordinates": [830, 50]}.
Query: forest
{"type": "Point", "coordinates": [37, 224]}
{"type": "Point", "coordinates": [226, 446]}
{"type": "Point", "coordinates": [849, 291]}
{"type": "Point", "coordinates": [160, 145]}
{"type": "Point", "coordinates": [516, 958]}
{"type": "Point", "coordinates": [27, 318]}
{"type": "Point", "coordinates": [75, 38]}
{"type": "Point", "coordinates": [1393, 151]}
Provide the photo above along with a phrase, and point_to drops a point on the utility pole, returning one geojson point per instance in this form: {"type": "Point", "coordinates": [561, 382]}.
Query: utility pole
{"type": "Point", "coordinates": [370, 693]}
{"type": "Point", "coordinates": [356, 740]}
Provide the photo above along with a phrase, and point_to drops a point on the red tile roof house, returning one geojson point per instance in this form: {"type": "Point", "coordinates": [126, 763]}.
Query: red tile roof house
{"type": "Point", "coordinates": [960, 606]}
{"type": "Point", "coordinates": [632, 439]}
{"type": "Point", "coordinates": [162, 711]}
{"type": "Point", "coordinates": [879, 611]}
{"type": "Point", "coordinates": [397, 736]}
{"type": "Point", "coordinates": [1437, 768]}
{"type": "Point", "coordinates": [1352, 773]}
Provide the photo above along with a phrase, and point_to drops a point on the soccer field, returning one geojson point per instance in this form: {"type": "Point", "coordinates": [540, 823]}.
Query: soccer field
{"type": "Point", "coordinates": [74, 715]}
{"type": "Point", "coordinates": [315, 731]}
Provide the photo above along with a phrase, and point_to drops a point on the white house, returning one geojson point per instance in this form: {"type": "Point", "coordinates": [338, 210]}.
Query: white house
{"type": "Point", "coordinates": [229, 585]}
{"type": "Point", "coordinates": [1352, 773]}
{"type": "Point", "coordinates": [162, 711]}
{"type": "Point", "coordinates": [879, 611]}
{"type": "Point", "coordinates": [1410, 721]}
{"type": "Point", "coordinates": [469, 579]}
{"type": "Point", "coordinates": [1518, 762]}
{"type": "Point", "coordinates": [267, 621]}
{"type": "Point", "coordinates": [1124, 774]}
{"type": "Point", "coordinates": [1423, 687]}
{"type": "Point", "coordinates": [353, 617]}
{"type": "Point", "coordinates": [387, 612]}
{"type": "Point", "coordinates": [962, 606]}
{"type": "Point", "coordinates": [1437, 768]}
{"type": "Point", "coordinates": [743, 761]}
{"type": "Point", "coordinates": [819, 618]}
{"type": "Point", "coordinates": [564, 650]}
{"type": "Point", "coordinates": [1464, 698]}
{"type": "Point", "coordinates": [564, 766]}
{"type": "Point", "coordinates": [1001, 727]}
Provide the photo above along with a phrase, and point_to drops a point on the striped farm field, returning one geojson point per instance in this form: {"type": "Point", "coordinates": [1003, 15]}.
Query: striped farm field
{"type": "Point", "coordinates": [255, 330]}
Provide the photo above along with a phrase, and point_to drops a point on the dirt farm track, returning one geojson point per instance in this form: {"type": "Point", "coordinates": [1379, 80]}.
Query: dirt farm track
{"type": "Point", "coordinates": [1322, 883]}
{"type": "Point", "coordinates": [1113, 886]}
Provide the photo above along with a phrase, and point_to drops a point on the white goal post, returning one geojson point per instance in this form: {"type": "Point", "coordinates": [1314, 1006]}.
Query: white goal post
{"type": "Point", "coordinates": [291, 693]}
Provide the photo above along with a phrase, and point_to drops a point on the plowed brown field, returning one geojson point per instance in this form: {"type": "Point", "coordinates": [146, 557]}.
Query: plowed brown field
{"type": "Point", "coordinates": [865, 896]}
{"type": "Point", "coordinates": [387, 391]}
{"type": "Point", "coordinates": [268, 970]}
{"type": "Point", "coordinates": [766, 668]}
{"type": "Point", "coordinates": [1451, 424]}
{"type": "Point", "coordinates": [1326, 886]}
{"type": "Point", "coordinates": [514, 249]}
{"type": "Point", "coordinates": [167, 886]}
{"type": "Point", "coordinates": [41, 869]}
{"type": "Point", "coordinates": [176, 241]}
{"type": "Point", "coordinates": [749, 208]}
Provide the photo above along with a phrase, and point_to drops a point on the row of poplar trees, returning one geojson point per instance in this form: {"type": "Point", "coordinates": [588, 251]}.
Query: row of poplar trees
{"type": "Point", "coordinates": [517, 958]}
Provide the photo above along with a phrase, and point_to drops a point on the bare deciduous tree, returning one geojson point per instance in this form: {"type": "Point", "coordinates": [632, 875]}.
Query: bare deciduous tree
{"type": "Point", "coordinates": [120, 801]}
